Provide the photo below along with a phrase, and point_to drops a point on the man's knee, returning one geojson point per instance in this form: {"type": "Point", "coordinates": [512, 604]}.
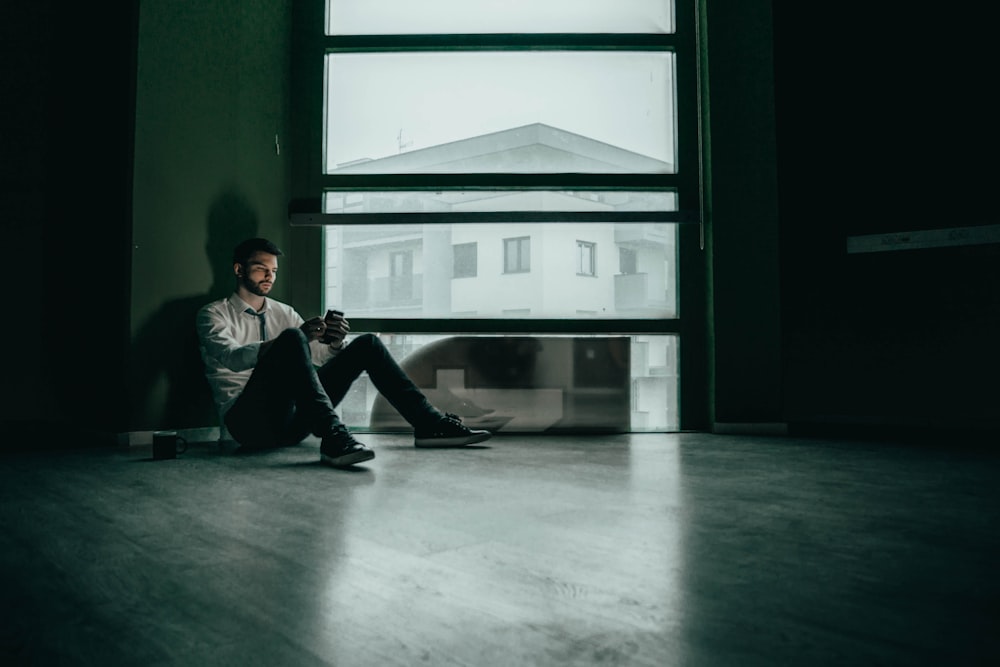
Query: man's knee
{"type": "Point", "coordinates": [290, 342]}
{"type": "Point", "coordinates": [291, 338]}
{"type": "Point", "coordinates": [292, 333]}
{"type": "Point", "coordinates": [369, 344]}
{"type": "Point", "coordinates": [369, 340]}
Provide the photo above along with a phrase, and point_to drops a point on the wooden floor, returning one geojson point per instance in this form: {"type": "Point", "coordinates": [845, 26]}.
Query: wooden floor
{"type": "Point", "coordinates": [659, 550]}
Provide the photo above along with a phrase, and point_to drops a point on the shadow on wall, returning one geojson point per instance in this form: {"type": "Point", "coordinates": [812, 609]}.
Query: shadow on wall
{"type": "Point", "coordinates": [166, 347]}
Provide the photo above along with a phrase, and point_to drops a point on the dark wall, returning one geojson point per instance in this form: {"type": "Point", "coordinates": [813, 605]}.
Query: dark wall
{"type": "Point", "coordinates": [212, 95]}
{"type": "Point", "coordinates": [885, 124]}
{"type": "Point", "coordinates": [68, 73]}
{"type": "Point", "coordinates": [743, 215]}
{"type": "Point", "coordinates": [139, 147]}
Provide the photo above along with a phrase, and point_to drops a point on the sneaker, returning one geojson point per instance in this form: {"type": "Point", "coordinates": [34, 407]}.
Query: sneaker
{"type": "Point", "coordinates": [449, 432]}
{"type": "Point", "coordinates": [341, 449]}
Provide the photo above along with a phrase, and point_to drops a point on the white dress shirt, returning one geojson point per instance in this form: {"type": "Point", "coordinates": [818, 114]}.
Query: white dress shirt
{"type": "Point", "coordinates": [229, 334]}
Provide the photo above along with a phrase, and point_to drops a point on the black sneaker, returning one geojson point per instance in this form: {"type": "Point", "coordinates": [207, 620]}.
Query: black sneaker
{"type": "Point", "coordinates": [340, 449]}
{"type": "Point", "coordinates": [449, 432]}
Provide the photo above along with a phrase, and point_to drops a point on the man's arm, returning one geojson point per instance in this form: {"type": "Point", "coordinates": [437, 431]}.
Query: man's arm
{"type": "Point", "coordinates": [313, 329]}
{"type": "Point", "coordinates": [217, 338]}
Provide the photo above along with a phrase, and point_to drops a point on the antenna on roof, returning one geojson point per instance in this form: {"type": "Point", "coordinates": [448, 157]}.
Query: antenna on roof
{"type": "Point", "coordinates": [399, 140]}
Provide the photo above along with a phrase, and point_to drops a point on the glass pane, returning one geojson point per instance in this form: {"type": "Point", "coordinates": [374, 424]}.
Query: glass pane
{"type": "Point", "coordinates": [495, 270]}
{"type": "Point", "coordinates": [396, 17]}
{"type": "Point", "coordinates": [425, 201]}
{"type": "Point", "coordinates": [539, 383]}
{"type": "Point", "coordinates": [499, 112]}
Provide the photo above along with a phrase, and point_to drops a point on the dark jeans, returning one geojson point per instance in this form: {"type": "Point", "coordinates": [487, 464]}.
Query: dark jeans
{"type": "Point", "coordinates": [287, 398]}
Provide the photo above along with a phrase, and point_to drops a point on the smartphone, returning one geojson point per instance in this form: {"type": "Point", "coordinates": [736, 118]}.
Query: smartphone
{"type": "Point", "coordinates": [330, 316]}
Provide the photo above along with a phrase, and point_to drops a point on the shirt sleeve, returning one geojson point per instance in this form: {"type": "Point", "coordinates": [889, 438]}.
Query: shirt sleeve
{"type": "Point", "coordinates": [219, 342]}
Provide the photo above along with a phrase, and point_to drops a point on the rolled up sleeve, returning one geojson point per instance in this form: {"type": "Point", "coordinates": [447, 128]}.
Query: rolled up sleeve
{"type": "Point", "coordinates": [219, 343]}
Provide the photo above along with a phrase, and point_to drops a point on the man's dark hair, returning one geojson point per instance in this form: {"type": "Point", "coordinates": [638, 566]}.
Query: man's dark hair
{"type": "Point", "coordinates": [242, 252]}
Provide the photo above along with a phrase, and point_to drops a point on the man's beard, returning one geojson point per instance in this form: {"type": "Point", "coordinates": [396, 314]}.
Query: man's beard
{"type": "Point", "coordinates": [253, 287]}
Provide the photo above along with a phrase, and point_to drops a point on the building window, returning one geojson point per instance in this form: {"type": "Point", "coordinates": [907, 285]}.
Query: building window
{"type": "Point", "coordinates": [628, 261]}
{"type": "Point", "coordinates": [401, 275]}
{"type": "Point", "coordinates": [464, 260]}
{"type": "Point", "coordinates": [586, 258]}
{"type": "Point", "coordinates": [517, 255]}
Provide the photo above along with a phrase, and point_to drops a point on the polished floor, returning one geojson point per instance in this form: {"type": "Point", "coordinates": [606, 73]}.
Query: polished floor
{"type": "Point", "coordinates": [660, 550]}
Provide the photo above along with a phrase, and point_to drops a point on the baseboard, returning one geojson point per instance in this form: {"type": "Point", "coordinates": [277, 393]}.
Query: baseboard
{"type": "Point", "coordinates": [145, 438]}
{"type": "Point", "coordinates": [981, 433]}
{"type": "Point", "coordinates": [42, 435]}
{"type": "Point", "coordinates": [750, 428]}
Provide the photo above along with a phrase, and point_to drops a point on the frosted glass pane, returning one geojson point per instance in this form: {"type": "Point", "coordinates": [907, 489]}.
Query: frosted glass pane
{"type": "Point", "coordinates": [394, 17]}
{"type": "Point", "coordinates": [493, 270]}
{"type": "Point", "coordinates": [500, 112]}
{"type": "Point", "coordinates": [540, 383]}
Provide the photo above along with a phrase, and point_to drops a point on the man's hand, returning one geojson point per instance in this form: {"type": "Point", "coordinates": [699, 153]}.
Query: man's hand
{"type": "Point", "coordinates": [313, 328]}
{"type": "Point", "coordinates": [337, 328]}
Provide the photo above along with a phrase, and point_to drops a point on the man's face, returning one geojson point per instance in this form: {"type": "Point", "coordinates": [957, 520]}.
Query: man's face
{"type": "Point", "coordinates": [257, 276]}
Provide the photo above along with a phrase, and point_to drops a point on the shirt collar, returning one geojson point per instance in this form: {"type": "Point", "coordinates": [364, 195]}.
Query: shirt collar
{"type": "Point", "coordinates": [242, 306]}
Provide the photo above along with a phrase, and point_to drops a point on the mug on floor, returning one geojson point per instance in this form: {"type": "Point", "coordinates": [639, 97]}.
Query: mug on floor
{"type": "Point", "coordinates": [167, 445]}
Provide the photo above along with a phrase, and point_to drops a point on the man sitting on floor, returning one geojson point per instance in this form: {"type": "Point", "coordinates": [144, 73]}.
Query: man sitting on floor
{"type": "Point", "coordinates": [276, 378]}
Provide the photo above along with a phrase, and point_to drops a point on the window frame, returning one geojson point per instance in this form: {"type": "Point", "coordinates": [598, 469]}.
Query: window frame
{"type": "Point", "coordinates": [591, 257]}
{"type": "Point", "coordinates": [523, 260]}
{"type": "Point", "coordinates": [690, 181]}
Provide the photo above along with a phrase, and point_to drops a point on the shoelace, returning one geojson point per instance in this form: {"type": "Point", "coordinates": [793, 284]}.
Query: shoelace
{"type": "Point", "coordinates": [453, 418]}
{"type": "Point", "coordinates": [340, 431]}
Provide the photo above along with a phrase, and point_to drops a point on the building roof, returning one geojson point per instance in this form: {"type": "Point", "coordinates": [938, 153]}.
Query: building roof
{"type": "Point", "coordinates": [532, 148]}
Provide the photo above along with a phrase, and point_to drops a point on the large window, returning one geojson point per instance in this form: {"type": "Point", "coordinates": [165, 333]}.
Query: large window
{"type": "Point", "coordinates": [500, 112]}
{"type": "Point", "coordinates": [435, 271]}
{"type": "Point", "coordinates": [383, 17]}
{"type": "Point", "coordinates": [473, 158]}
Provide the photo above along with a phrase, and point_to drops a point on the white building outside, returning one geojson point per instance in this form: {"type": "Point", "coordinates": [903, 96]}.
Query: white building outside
{"type": "Point", "coordinates": [516, 270]}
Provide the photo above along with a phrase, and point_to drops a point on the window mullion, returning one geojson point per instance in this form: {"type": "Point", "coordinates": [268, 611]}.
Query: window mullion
{"type": "Point", "coordinates": [500, 42]}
